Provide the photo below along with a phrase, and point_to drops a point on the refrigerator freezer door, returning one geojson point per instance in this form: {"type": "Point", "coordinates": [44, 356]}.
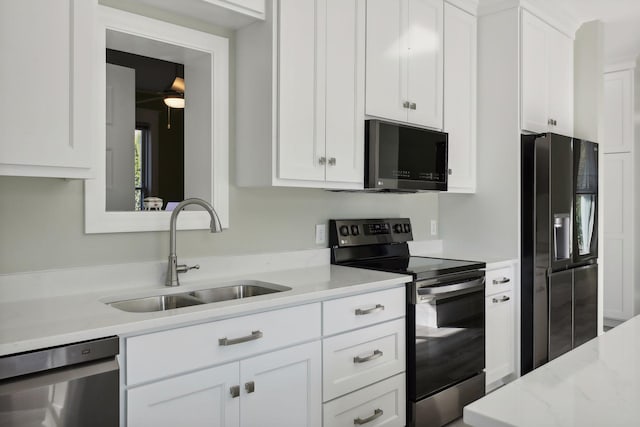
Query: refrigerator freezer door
{"type": "Point", "coordinates": [585, 311]}
{"type": "Point", "coordinates": [560, 313]}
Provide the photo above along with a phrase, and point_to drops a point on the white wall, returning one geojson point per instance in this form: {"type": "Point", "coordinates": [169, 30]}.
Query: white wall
{"type": "Point", "coordinates": [42, 223]}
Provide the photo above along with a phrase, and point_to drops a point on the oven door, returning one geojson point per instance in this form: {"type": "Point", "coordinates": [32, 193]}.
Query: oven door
{"type": "Point", "coordinates": [447, 340]}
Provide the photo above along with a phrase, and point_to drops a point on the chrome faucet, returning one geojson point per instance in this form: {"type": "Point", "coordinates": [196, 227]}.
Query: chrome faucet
{"type": "Point", "coordinates": [173, 268]}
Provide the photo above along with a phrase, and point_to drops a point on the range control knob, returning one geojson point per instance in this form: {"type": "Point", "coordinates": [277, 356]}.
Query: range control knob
{"type": "Point", "coordinates": [344, 230]}
{"type": "Point", "coordinates": [354, 230]}
{"type": "Point", "coordinates": [397, 228]}
{"type": "Point", "coordinates": [407, 228]}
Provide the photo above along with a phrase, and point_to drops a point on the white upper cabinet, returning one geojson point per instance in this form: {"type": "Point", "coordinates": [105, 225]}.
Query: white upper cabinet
{"type": "Point", "coordinates": [547, 77]}
{"type": "Point", "coordinates": [225, 13]}
{"type": "Point", "coordinates": [460, 68]}
{"type": "Point", "coordinates": [300, 94]}
{"type": "Point", "coordinates": [618, 111]}
{"type": "Point", "coordinates": [405, 61]}
{"type": "Point", "coordinates": [46, 70]}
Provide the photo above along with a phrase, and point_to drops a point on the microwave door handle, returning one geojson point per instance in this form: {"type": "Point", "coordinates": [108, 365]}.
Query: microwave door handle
{"type": "Point", "coordinates": [473, 285]}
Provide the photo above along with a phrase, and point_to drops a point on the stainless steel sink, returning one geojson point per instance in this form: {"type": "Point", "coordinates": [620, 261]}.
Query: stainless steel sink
{"type": "Point", "coordinates": [156, 303]}
{"type": "Point", "coordinates": [225, 292]}
{"type": "Point", "coordinates": [239, 290]}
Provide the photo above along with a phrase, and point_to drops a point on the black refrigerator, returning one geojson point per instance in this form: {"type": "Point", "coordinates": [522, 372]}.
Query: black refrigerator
{"type": "Point", "coordinates": [559, 283]}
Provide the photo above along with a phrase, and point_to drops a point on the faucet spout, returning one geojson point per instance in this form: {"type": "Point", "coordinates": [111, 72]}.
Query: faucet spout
{"type": "Point", "coordinates": [215, 226]}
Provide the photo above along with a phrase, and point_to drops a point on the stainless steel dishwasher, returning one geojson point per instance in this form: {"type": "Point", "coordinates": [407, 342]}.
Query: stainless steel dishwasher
{"type": "Point", "coordinates": [75, 385]}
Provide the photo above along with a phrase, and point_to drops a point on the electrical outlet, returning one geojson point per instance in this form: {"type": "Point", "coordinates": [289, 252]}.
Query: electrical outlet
{"type": "Point", "coordinates": [321, 234]}
{"type": "Point", "coordinates": [434, 227]}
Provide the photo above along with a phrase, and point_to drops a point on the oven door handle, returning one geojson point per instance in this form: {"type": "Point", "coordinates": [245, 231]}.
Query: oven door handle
{"type": "Point", "coordinates": [470, 286]}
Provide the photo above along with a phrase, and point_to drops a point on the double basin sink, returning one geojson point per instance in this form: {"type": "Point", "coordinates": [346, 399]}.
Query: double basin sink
{"type": "Point", "coordinates": [225, 292]}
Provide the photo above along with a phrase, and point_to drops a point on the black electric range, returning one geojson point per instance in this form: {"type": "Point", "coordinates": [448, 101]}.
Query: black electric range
{"type": "Point", "coordinates": [445, 315]}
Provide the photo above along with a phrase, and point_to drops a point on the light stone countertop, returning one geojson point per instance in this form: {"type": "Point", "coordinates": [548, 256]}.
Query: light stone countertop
{"type": "Point", "coordinates": [31, 323]}
{"type": "Point", "coordinates": [595, 385]}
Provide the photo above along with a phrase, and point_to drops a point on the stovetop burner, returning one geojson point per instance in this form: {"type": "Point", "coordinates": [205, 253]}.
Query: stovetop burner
{"type": "Point", "coordinates": [419, 267]}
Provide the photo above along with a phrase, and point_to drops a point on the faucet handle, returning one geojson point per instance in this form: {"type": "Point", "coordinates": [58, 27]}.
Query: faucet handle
{"type": "Point", "coordinates": [183, 268]}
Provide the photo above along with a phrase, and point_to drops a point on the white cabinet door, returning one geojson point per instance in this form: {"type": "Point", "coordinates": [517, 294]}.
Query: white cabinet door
{"type": "Point", "coordinates": [200, 399]}
{"type": "Point", "coordinates": [424, 62]}
{"type": "Point", "coordinates": [618, 112]}
{"type": "Point", "coordinates": [500, 336]}
{"type": "Point", "coordinates": [547, 77]}
{"type": "Point", "coordinates": [386, 86]}
{"type": "Point", "coordinates": [404, 61]}
{"type": "Point", "coordinates": [345, 90]}
{"type": "Point", "coordinates": [300, 108]}
{"type": "Point", "coordinates": [282, 388]}
{"type": "Point", "coordinates": [618, 202]}
{"type": "Point", "coordinates": [460, 47]}
{"type": "Point", "coordinates": [45, 70]}
{"type": "Point", "coordinates": [560, 79]}
{"type": "Point", "coordinates": [534, 63]}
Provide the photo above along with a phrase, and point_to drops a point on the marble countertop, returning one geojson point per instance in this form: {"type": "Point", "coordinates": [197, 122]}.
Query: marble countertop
{"type": "Point", "coordinates": [45, 321]}
{"type": "Point", "coordinates": [596, 384]}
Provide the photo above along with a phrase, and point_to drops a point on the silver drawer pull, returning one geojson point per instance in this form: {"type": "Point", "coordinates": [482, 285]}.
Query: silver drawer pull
{"type": "Point", "coordinates": [405, 104]}
{"type": "Point", "coordinates": [503, 299]}
{"type": "Point", "coordinates": [361, 312]}
{"type": "Point", "coordinates": [254, 336]}
{"type": "Point", "coordinates": [235, 391]}
{"type": "Point", "coordinates": [412, 106]}
{"type": "Point", "coordinates": [250, 387]}
{"type": "Point", "coordinates": [501, 281]}
{"type": "Point", "coordinates": [372, 356]}
{"type": "Point", "coordinates": [360, 421]}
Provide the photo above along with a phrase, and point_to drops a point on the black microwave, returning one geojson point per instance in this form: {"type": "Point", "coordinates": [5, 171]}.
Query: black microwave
{"type": "Point", "coordinates": [404, 158]}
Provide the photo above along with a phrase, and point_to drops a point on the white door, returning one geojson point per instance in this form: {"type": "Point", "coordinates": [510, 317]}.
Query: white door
{"type": "Point", "coordinates": [618, 112]}
{"type": "Point", "coordinates": [534, 58]}
{"type": "Point", "coordinates": [424, 62]}
{"type": "Point", "coordinates": [560, 80]}
{"type": "Point", "coordinates": [300, 90]}
{"type": "Point", "coordinates": [386, 74]}
{"type": "Point", "coordinates": [120, 128]}
{"type": "Point", "coordinates": [500, 336]}
{"type": "Point", "coordinates": [460, 43]}
{"type": "Point", "coordinates": [345, 90]}
{"type": "Point", "coordinates": [46, 86]}
{"type": "Point", "coordinates": [200, 399]}
{"type": "Point", "coordinates": [282, 388]}
{"type": "Point", "coordinates": [618, 202]}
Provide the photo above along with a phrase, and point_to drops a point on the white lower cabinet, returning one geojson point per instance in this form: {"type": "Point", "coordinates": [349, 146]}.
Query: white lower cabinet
{"type": "Point", "coordinates": [280, 388]}
{"type": "Point", "coordinates": [364, 363]}
{"type": "Point", "coordinates": [381, 404]}
{"type": "Point", "coordinates": [500, 333]}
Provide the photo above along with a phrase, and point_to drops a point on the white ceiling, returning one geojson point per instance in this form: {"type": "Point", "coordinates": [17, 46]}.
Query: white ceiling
{"type": "Point", "coordinates": [621, 24]}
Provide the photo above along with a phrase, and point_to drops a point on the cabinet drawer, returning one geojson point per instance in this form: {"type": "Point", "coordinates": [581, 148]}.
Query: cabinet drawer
{"type": "Point", "coordinates": [499, 280]}
{"type": "Point", "coordinates": [362, 310]}
{"type": "Point", "coordinates": [359, 358]}
{"type": "Point", "coordinates": [194, 347]}
{"type": "Point", "coordinates": [383, 403]}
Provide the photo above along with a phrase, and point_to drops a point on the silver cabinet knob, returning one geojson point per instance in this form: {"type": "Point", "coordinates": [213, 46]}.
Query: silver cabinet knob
{"type": "Point", "coordinates": [235, 391]}
{"type": "Point", "coordinates": [322, 160]}
{"type": "Point", "coordinates": [405, 104]}
{"type": "Point", "coordinates": [413, 106]}
{"type": "Point", "coordinates": [250, 387]}
{"type": "Point", "coordinates": [450, 171]}
{"type": "Point", "coordinates": [552, 122]}
{"type": "Point", "coordinates": [332, 161]}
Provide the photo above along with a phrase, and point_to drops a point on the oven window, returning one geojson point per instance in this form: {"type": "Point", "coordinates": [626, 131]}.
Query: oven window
{"type": "Point", "coordinates": [412, 154]}
{"type": "Point", "coordinates": [449, 342]}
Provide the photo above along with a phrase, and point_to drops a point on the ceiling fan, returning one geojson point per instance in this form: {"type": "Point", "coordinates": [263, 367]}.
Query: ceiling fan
{"type": "Point", "coordinates": [172, 97]}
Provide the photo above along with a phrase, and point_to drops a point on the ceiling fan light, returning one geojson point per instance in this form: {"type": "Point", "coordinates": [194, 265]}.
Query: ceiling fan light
{"type": "Point", "coordinates": [174, 102]}
{"type": "Point", "coordinates": [178, 85]}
